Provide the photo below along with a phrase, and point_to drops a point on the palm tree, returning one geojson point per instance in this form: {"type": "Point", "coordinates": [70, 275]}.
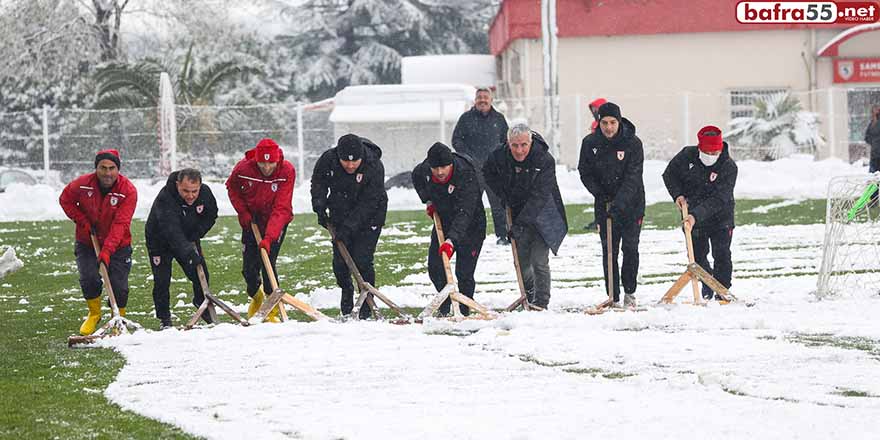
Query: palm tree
{"type": "Point", "coordinates": [122, 85]}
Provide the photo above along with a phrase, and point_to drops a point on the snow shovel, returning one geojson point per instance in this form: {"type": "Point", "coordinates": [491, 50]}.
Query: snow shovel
{"type": "Point", "coordinates": [210, 301]}
{"type": "Point", "coordinates": [366, 291]}
{"type": "Point", "coordinates": [117, 324]}
{"type": "Point", "coordinates": [279, 297]}
{"type": "Point", "coordinates": [694, 272]}
{"type": "Point", "coordinates": [523, 298]}
{"type": "Point", "coordinates": [609, 248]}
{"type": "Point", "coordinates": [451, 290]}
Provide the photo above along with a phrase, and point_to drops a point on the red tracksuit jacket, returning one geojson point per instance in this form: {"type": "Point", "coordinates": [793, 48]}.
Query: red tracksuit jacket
{"type": "Point", "coordinates": [269, 200]}
{"type": "Point", "coordinates": [110, 215]}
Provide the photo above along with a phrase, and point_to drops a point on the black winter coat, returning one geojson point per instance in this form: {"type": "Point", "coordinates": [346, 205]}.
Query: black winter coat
{"type": "Point", "coordinates": [611, 170]}
{"type": "Point", "coordinates": [530, 189]}
{"type": "Point", "coordinates": [477, 135]}
{"type": "Point", "coordinates": [708, 190]}
{"type": "Point", "coordinates": [356, 201]}
{"type": "Point", "coordinates": [872, 137]}
{"type": "Point", "coordinates": [459, 202]}
{"type": "Point", "coordinates": [173, 225]}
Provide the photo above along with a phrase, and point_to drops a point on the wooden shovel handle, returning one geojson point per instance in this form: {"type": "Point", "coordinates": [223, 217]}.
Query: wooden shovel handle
{"type": "Point", "coordinates": [266, 263]}
{"type": "Point", "coordinates": [105, 275]}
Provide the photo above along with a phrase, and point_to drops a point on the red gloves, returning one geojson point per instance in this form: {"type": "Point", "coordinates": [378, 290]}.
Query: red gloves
{"type": "Point", "coordinates": [430, 210]}
{"type": "Point", "coordinates": [104, 257]}
{"type": "Point", "coordinates": [266, 244]}
{"type": "Point", "coordinates": [447, 248]}
{"type": "Point", "coordinates": [245, 219]}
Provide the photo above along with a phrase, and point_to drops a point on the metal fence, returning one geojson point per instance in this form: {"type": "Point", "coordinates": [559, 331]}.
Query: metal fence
{"type": "Point", "coordinates": [214, 138]}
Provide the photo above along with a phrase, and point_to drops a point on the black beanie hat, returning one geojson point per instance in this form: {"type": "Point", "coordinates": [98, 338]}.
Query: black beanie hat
{"type": "Point", "coordinates": [439, 155]}
{"type": "Point", "coordinates": [609, 109]}
{"type": "Point", "coordinates": [111, 155]}
{"type": "Point", "coordinates": [349, 147]}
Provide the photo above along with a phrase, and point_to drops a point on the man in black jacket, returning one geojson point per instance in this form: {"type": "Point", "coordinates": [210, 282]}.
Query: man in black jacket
{"type": "Point", "coordinates": [349, 181]}
{"type": "Point", "coordinates": [704, 176]}
{"type": "Point", "coordinates": [183, 212]}
{"type": "Point", "coordinates": [524, 177]}
{"type": "Point", "coordinates": [479, 131]}
{"type": "Point", "coordinates": [872, 137]}
{"type": "Point", "coordinates": [610, 167]}
{"type": "Point", "coordinates": [448, 183]}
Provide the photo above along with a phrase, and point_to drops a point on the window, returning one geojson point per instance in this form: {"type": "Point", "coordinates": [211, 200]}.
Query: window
{"type": "Point", "coordinates": [742, 100]}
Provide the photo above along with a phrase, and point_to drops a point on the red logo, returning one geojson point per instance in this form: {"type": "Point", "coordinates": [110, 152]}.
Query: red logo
{"type": "Point", "coordinates": [820, 12]}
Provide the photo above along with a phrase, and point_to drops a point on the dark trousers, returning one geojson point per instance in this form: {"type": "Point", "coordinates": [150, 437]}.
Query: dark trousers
{"type": "Point", "coordinates": [499, 216]}
{"type": "Point", "coordinates": [874, 164]}
{"type": "Point", "coordinates": [160, 264]}
{"type": "Point", "coordinates": [252, 262]}
{"type": "Point", "coordinates": [466, 257]}
{"type": "Point", "coordinates": [722, 268]}
{"type": "Point", "coordinates": [627, 232]}
{"type": "Point", "coordinates": [361, 246]}
{"type": "Point", "coordinates": [90, 279]}
{"type": "Point", "coordinates": [534, 263]}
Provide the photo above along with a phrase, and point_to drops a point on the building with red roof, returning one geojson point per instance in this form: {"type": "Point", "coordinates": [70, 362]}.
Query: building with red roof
{"type": "Point", "coordinates": [674, 66]}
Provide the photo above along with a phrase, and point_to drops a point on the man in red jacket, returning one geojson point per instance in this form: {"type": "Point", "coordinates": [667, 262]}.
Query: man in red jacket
{"type": "Point", "coordinates": [102, 203]}
{"type": "Point", "coordinates": [261, 191]}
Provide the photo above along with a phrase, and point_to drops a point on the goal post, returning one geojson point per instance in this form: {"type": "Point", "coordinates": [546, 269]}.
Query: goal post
{"type": "Point", "coordinates": [851, 247]}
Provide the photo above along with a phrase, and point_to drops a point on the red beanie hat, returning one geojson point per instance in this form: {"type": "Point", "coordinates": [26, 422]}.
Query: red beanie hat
{"type": "Point", "coordinates": [268, 151]}
{"type": "Point", "coordinates": [109, 154]}
{"type": "Point", "coordinates": [710, 139]}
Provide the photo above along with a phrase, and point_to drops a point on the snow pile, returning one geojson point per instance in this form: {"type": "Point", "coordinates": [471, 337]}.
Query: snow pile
{"type": "Point", "coordinates": [796, 177]}
{"type": "Point", "coordinates": [9, 262]}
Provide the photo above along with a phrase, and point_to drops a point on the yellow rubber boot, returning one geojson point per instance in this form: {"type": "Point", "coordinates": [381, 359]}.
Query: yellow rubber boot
{"type": "Point", "coordinates": [256, 303]}
{"type": "Point", "coordinates": [91, 323]}
{"type": "Point", "coordinates": [273, 315]}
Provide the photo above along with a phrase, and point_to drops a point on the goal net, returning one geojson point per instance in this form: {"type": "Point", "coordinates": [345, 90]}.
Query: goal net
{"type": "Point", "coordinates": [851, 249]}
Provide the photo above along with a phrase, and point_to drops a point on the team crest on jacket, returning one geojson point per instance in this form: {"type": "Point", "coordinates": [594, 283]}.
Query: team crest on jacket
{"type": "Point", "coordinates": [157, 260]}
{"type": "Point", "coordinates": [691, 166]}
{"type": "Point", "coordinates": [621, 155]}
{"type": "Point", "coordinates": [266, 156]}
{"type": "Point", "coordinates": [274, 187]}
{"type": "Point", "coordinates": [451, 189]}
{"type": "Point", "coordinates": [518, 169]}
{"type": "Point", "coordinates": [200, 208]}
{"type": "Point", "coordinates": [359, 177]}
{"type": "Point", "coordinates": [90, 193]}
{"type": "Point", "coordinates": [713, 176]}
{"type": "Point", "coordinates": [595, 150]}
{"type": "Point", "coordinates": [114, 201]}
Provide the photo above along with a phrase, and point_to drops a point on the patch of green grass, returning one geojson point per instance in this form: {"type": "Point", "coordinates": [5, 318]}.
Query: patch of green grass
{"type": "Point", "coordinates": [853, 393]}
{"type": "Point", "coordinates": [868, 345]}
{"type": "Point", "coordinates": [543, 363]}
{"type": "Point", "coordinates": [666, 215]}
{"type": "Point", "coordinates": [594, 372]}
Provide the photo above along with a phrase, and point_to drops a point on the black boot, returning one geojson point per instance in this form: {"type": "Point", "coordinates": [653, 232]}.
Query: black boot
{"type": "Point", "coordinates": [346, 303]}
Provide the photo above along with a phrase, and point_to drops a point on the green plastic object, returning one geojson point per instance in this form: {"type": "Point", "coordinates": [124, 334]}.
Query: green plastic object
{"type": "Point", "coordinates": [863, 200]}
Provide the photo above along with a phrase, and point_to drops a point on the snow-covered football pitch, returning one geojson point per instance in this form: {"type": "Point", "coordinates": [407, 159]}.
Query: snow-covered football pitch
{"type": "Point", "coordinates": [788, 366]}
